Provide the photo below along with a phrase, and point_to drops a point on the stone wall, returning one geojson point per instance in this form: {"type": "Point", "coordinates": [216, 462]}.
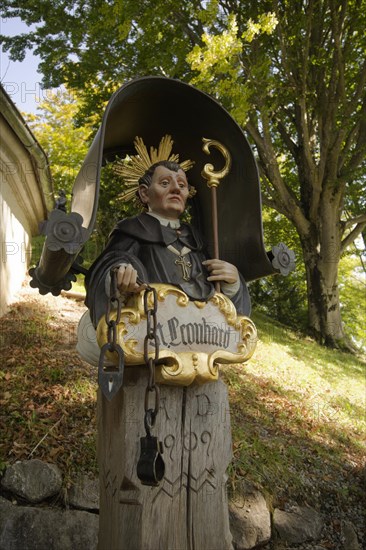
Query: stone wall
{"type": "Point", "coordinates": [38, 513]}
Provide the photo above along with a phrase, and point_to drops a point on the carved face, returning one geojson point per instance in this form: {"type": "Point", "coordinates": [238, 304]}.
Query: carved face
{"type": "Point", "coordinates": [167, 195]}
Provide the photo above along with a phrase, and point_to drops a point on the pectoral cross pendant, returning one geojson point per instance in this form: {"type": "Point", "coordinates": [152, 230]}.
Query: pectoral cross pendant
{"type": "Point", "coordinates": [185, 266]}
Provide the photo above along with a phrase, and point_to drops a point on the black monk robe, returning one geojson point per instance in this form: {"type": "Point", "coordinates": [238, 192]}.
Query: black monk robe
{"type": "Point", "coordinates": [143, 242]}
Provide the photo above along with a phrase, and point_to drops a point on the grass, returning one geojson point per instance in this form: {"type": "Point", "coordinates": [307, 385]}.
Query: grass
{"type": "Point", "coordinates": [298, 418]}
{"type": "Point", "coordinates": [297, 409]}
{"type": "Point", "coordinates": [78, 285]}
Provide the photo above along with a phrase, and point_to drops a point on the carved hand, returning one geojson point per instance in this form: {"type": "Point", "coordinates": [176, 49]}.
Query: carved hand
{"type": "Point", "coordinates": [221, 271]}
{"type": "Point", "coordinates": [127, 279]}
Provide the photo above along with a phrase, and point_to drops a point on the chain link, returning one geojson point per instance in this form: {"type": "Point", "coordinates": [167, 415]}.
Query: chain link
{"type": "Point", "coordinates": [151, 339]}
{"type": "Point", "coordinates": [150, 466]}
{"type": "Point", "coordinates": [114, 304]}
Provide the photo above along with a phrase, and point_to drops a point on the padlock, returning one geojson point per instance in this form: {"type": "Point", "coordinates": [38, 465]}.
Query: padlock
{"type": "Point", "coordinates": [150, 467]}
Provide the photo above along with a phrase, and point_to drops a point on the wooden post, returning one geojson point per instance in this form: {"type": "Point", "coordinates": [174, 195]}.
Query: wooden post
{"type": "Point", "coordinates": [188, 510]}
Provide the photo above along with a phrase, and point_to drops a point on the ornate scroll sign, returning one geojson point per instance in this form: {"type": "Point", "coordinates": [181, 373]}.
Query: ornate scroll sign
{"type": "Point", "coordinates": [194, 337]}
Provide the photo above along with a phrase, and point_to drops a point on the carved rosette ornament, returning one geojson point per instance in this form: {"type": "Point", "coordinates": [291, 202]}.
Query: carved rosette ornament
{"type": "Point", "coordinates": [64, 231]}
{"type": "Point", "coordinates": [194, 337]}
{"type": "Point", "coordinates": [64, 239]}
{"type": "Point", "coordinates": [283, 259]}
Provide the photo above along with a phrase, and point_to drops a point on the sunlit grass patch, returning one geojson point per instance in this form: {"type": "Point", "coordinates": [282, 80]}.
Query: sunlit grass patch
{"type": "Point", "coordinates": [298, 417]}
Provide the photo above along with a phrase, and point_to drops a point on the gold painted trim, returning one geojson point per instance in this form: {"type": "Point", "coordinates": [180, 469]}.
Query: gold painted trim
{"type": "Point", "coordinates": [183, 368]}
{"type": "Point", "coordinates": [213, 178]}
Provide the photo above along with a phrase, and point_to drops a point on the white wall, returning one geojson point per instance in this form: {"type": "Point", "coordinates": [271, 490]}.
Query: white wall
{"type": "Point", "coordinates": [15, 239]}
{"type": "Point", "coordinates": [22, 203]}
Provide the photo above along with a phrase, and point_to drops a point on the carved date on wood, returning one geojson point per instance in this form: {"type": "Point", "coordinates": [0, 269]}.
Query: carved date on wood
{"type": "Point", "coordinates": [188, 510]}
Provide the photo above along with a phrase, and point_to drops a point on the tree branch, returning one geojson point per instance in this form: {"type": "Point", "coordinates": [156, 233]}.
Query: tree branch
{"type": "Point", "coordinates": [194, 34]}
{"type": "Point", "coordinates": [290, 206]}
{"type": "Point", "coordinates": [268, 197]}
{"type": "Point", "coordinates": [291, 145]}
{"type": "Point", "coordinates": [352, 236]}
{"type": "Point", "coordinates": [334, 93]}
{"type": "Point", "coordinates": [358, 219]}
{"type": "Point", "coordinates": [356, 137]}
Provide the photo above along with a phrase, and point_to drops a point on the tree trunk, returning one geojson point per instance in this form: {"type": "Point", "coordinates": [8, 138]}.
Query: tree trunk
{"type": "Point", "coordinates": [321, 249]}
{"type": "Point", "coordinates": [324, 314]}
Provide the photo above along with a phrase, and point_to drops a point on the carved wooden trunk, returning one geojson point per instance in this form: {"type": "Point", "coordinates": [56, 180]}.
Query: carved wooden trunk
{"type": "Point", "coordinates": [188, 510]}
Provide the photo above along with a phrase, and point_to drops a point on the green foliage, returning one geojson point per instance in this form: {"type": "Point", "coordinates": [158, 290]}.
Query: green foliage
{"type": "Point", "coordinates": [352, 287]}
{"type": "Point", "coordinates": [94, 46]}
{"type": "Point", "coordinates": [111, 209]}
{"type": "Point", "coordinates": [217, 62]}
{"type": "Point", "coordinates": [65, 144]}
{"type": "Point", "coordinates": [302, 72]}
{"type": "Point", "coordinates": [283, 298]}
{"type": "Point", "coordinates": [266, 23]}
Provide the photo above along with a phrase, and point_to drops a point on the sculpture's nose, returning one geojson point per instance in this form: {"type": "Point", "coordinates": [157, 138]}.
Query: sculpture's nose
{"type": "Point", "coordinates": [175, 185]}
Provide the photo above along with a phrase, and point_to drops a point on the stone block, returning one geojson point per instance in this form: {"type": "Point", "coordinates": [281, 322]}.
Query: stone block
{"type": "Point", "coordinates": [250, 520]}
{"type": "Point", "coordinates": [32, 480]}
{"type": "Point", "coordinates": [298, 525]}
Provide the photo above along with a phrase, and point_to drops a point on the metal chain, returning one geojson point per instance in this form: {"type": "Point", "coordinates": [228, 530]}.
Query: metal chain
{"type": "Point", "coordinates": [151, 339]}
{"type": "Point", "coordinates": [111, 379]}
{"type": "Point", "coordinates": [114, 303]}
{"type": "Point", "coordinates": [150, 466]}
{"type": "Point", "coordinates": [152, 393]}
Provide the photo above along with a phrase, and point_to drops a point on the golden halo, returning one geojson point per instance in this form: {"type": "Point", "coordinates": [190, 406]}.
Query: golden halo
{"type": "Point", "coordinates": [133, 168]}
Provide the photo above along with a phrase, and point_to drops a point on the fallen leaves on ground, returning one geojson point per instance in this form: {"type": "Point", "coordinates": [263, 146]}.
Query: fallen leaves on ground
{"type": "Point", "coordinates": [48, 393]}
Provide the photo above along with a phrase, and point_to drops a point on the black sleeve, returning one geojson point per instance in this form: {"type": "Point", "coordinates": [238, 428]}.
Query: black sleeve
{"type": "Point", "coordinates": [241, 299]}
{"type": "Point", "coordinates": [120, 249]}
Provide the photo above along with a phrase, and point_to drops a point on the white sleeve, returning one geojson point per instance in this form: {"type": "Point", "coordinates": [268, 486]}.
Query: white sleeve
{"type": "Point", "coordinates": [230, 289]}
